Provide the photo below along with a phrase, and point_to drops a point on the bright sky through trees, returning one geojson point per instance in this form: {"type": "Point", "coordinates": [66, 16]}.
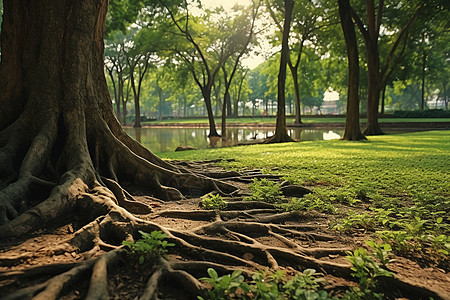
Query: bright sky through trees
{"type": "Point", "coordinates": [227, 4]}
{"type": "Point", "coordinates": [252, 61]}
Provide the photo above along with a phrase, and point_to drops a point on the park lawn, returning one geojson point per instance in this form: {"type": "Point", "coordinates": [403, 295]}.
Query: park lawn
{"type": "Point", "coordinates": [290, 120]}
{"type": "Point", "coordinates": [395, 185]}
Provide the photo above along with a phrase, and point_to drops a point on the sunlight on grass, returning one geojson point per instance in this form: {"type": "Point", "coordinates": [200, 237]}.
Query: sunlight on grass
{"type": "Point", "coordinates": [397, 186]}
{"type": "Point", "coordinates": [402, 164]}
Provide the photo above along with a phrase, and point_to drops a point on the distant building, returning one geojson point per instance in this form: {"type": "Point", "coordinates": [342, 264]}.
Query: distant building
{"type": "Point", "coordinates": [329, 107]}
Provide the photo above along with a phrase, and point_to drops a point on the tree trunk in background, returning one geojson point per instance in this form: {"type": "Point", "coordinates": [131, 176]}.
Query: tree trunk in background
{"type": "Point", "coordinates": [281, 134]}
{"type": "Point", "coordinates": [117, 102]}
{"type": "Point", "coordinates": [137, 107]}
{"type": "Point", "coordinates": [352, 129]}
{"type": "Point", "coordinates": [424, 64]}
{"type": "Point", "coordinates": [206, 93]}
{"type": "Point", "coordinates": [383, 99]}
{"type": "Point", "coordinates": [373, 88]}
{"type": "Point", "coordinates": [445, 95]}
{"type": "Point", "coordinates": [298, 117]}
{"type": "Point", "coordinates": [124, 103]}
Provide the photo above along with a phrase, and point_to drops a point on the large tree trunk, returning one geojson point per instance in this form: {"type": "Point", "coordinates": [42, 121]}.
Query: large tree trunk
{"type": "Point", "coordinates": [352, 129]}
{"type": "Point", "coordinates": [281, 134]}
{"type": "Point", "coordinates": [59, 137]}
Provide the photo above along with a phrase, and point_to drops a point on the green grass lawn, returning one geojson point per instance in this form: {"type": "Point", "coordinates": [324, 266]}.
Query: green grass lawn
{"type": "Point", "coordinates": [308, 119]}
{"type": "Point", "coordinates": [397, 185]}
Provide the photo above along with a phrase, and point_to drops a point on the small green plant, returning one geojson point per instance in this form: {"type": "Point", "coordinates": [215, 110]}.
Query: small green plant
{"type": "Point", "coordinates": [367, 270]}
{"type": "Point", "coordinates": [382, 251]}
{"type": "Point", "coordinates": [213, 201]}
{"type": "Point", "coordinates": [266, 286]}
{"type": "Point", "coordinates": [309, 202]}
{"type": "Point", "coordinates": [149, 246]}
{"type": "Point", "coordinates": [356, 220]}
{"type": "Point", "coordinates": [266, 191]}
{"type": "Point", "coordinates": [399, 240]}
{"type": "Point", "coordinates": [306, 285]}
{"type": "Point", "coordinates": [225, 287]}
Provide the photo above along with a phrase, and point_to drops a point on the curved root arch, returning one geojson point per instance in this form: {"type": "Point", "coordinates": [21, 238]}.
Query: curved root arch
{"type": "Point", "coordinates": [254, 238]}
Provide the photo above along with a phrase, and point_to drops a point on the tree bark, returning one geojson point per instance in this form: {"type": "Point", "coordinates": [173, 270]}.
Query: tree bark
{"type": "Point", "coordinates": [298, 117]}
{"type": "Point", "coordinates": [424, 64]}
{"type": "Point", "coordinates": [373, 87]}
{"type": "Point", "coordinates": [59, 138]}
{"type": "Point", "coordinates": [206, 93]}
{"type": "Point", "coordinates": [352, 128]}
{"type": "Point", "coordinates": [281, 134]}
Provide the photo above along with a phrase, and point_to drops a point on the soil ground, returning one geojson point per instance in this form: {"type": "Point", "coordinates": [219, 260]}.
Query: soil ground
{"type": "Point", "coordinates": [20, 256]}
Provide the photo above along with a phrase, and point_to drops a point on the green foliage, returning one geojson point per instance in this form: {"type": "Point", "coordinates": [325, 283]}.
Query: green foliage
{"type": "Point", "coordinates": [309, 202]}
{"type": "Point", "coordinates": [434, 246]}
{"type": "Point", "coordinates": [149, 246]}
{"type": "Point", "coordinates": [266, 191]}
{"type": "Point", "coordinates": [381, 251]}
{"type": "Point", "coordinates": [367, 270]}
{"type": "Point", "coordinates": [429, 113]}
{"type": "Point", "coordinates": [266, 286]}
{"type": "Point", "coordinates": [368, 220]}
{"type": "Point", "coordinates": [213, 201]}
{"type": "Point", "coordinates": [225, 287]}
{"type": "Point", "coordinates": [306, 285]}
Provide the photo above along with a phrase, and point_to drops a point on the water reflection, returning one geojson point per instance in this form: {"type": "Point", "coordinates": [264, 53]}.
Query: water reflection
{"type": "Point", "coordinates": [167, 139]}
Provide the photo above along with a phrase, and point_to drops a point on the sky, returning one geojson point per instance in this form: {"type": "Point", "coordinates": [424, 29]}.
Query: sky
{"type": "Point", "coordinates": [250, 62]}
{"type": "Point", "coordinates": [227, 4]}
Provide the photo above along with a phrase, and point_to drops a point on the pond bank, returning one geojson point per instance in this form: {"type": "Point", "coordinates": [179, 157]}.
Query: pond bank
{"type": "Point", "coordinates": [391, 125]}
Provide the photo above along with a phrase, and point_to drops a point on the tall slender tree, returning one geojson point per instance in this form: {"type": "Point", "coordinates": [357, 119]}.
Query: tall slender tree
{"type": "Point", "coordinates": [352, 128]}
{"type": "Point", "coordinates": [203, 67]}
{"type": "Point", "coordinates": [243, 27]}
{"type": "Point", "coordinates": [281, 134]}
{"type": "Point", "coordinates": [377, 73]}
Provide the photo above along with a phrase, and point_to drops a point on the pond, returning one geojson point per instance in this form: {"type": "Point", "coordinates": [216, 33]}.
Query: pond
{"type": "Point", "coordinates": [164, 139]}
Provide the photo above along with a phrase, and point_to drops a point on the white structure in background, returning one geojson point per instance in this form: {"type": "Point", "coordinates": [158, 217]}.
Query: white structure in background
{"type": "Point", "coordinates": [329, 106]}
{"type": "Point", "coordinates": [331, 135]}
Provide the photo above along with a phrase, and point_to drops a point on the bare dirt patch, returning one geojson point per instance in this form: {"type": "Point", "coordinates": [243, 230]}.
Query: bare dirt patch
{"type": "Point", "coordinates": [249, 238]}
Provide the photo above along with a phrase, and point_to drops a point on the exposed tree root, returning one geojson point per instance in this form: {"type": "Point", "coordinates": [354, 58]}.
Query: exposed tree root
{"type": "Point", "coordinates": [230, 240]}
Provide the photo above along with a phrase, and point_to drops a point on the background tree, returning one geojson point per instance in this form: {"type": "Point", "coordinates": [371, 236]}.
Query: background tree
{"type": "Point", "coordinates": [377, 73]}
{"type": "Point", "coordinates": [258, 89]}
{"type": "Point", "coordinates": [281, 134]}
{"type": "Point", "coordinates": [117, 69]}
{"type": "Point", "coordinates": [242, 28]}
{"type": "Point", "coordinates": [203, 39]}
{"type": "Point", "coordinates": [308, 18]}
{"type": "Point", "coordinates": [352, 129]}
{"type": "Point", "coordinates": [425, 53]}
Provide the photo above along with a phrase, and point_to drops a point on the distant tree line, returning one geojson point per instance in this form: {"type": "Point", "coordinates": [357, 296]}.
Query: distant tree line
{"type": "Point", "coordinates": [178, 59]}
